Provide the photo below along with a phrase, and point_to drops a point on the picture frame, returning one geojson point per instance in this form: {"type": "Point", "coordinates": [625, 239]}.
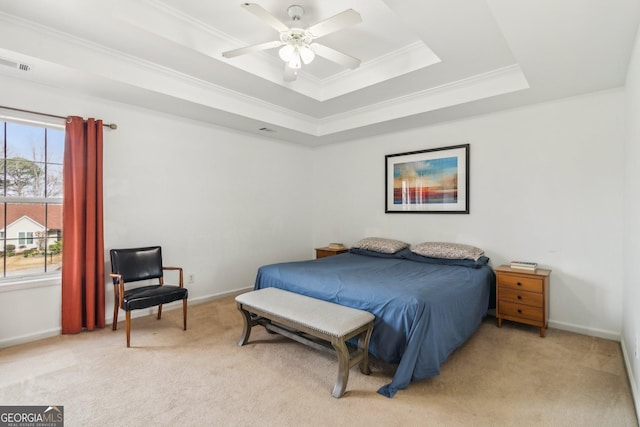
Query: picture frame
{"type": "Point", "coordinates": [428, 181]}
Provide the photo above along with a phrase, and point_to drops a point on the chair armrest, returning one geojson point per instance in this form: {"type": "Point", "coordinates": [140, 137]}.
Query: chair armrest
{"type": "Point", "coordinates": [120, 285]}
{"type": "Point", "coordinates": [179, 269]}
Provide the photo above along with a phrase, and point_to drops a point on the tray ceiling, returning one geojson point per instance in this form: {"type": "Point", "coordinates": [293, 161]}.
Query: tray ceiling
{"type": "Point", "coordinates": [422, 61]}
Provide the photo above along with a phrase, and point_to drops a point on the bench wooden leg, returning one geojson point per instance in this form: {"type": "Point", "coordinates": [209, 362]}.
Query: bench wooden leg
{"type": "Point", "coordinates": [363, 346]}
{"type": "Point", "coordinates": [248, 322]}
{"type": "Point", "coordinates": [343, 366]}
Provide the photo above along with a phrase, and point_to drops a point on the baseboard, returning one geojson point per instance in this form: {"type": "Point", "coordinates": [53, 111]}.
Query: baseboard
{"type": "Point", "coordinates": [593, 332]}
{"type": "Point", "coordinates": [178, 304]}
{"type": "Point", "coordinates": [10, 342]}
{"type": "Point", "coordinates": [221, 295]}
{"type": "Point", "coordinates": [634, 387]}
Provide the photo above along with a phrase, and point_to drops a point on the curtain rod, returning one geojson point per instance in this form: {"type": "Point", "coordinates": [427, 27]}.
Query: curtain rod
{"type": "Point", "coordinates": [109, 125]}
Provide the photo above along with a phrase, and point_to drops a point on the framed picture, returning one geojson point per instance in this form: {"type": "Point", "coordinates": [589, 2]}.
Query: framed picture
{"type": "Point", "coordinates": [428, 181]}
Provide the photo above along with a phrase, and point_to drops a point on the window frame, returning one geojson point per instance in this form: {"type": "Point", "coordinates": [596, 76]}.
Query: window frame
{"type": "Point", "coordinates": [43, 278]}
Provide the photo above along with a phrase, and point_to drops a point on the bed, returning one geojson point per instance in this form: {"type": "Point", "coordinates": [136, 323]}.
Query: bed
{"type": "Point", "coordinates": [425, 307]}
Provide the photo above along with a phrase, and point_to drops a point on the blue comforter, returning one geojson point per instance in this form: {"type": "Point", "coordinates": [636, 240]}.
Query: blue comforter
{"type": "Point", "coordinates": [423, 311]}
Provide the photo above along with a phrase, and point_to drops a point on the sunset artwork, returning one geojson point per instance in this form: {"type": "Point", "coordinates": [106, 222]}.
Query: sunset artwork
{"type": "Point", "coordinates": [428, 181]}
{"type": "Point", "coordinates": [432, 181]}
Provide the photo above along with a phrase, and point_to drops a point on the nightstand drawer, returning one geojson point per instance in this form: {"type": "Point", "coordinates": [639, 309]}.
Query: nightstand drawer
{"type": "Point", "coordinates": [529, 284]}
{"type": "Point", "coordinates": [521, 297]}
{"type": "Point", "coordinates": [520, 310]}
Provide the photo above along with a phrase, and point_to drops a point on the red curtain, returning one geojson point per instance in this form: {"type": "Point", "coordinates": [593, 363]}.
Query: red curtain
{"type": "Point", "coordinates": [83, 242]}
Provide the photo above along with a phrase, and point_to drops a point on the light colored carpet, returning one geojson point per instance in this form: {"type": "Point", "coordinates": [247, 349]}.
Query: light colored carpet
{"type": "Point", "coordinates": [500, 377]}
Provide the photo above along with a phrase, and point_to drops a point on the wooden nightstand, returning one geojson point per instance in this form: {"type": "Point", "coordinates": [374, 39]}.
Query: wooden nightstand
{"type": "Point", "coordinates": [327, 251]}
{"type": "Point", "coordinates": [523, 296]}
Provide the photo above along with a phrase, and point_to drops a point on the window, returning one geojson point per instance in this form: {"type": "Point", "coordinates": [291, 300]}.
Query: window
{"type": "Point", "coordinates": [25, 237]}
{"type": "Point", "coordinates": [30, 199]}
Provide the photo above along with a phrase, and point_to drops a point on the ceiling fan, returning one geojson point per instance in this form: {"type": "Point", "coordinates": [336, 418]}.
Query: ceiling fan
{"type": "Point", "coordinates": [297, 45]}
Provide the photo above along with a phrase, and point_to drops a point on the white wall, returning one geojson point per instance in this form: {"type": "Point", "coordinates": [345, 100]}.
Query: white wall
{"type": "Point", "coordinates": [631, 290]}
{"type": "Point", "coordinates": [545, 186]}
{"type": "Point", "coordinates": [220, 203]}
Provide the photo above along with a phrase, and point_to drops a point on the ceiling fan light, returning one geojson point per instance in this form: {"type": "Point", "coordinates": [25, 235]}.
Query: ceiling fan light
{"type": "Point", "coordinates": [295, 62]}
{"type": "Point", "coordinates": [287, 53]}
{"type": "Point", "coordinates": [307, 54]}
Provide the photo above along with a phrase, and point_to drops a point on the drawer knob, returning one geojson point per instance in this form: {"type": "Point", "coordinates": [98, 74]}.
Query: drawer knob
{"type": "Point", "coordinates": [519, 311]}
{"type": "Point", "coordinates": [519, 284]}
{"type": "Point", "coordinates": [519, 297]}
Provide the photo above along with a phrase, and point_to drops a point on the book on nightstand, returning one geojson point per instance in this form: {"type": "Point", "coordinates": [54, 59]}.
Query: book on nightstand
{"type": "Point", "coordinates": [524, 265]}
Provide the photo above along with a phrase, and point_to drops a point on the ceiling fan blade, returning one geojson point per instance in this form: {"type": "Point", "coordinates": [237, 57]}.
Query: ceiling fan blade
{"type": "Point", "coordinates": [335, 56]}
{"type": "Point", "coordinates": [268, 18]}
{"type": "Point", "coordinates": [337, 22]}
{"type": "Point", "coordinates": [290, 75]}
{"type": "Point", "coordinates": [252, 49]}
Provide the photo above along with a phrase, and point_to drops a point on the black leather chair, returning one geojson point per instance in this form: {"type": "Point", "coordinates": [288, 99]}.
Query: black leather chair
{"type": "Point", "coordinates": [136, 264]}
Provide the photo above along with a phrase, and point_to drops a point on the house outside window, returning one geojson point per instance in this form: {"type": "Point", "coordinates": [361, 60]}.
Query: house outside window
{"type": "Point", "coordinates": [30, 199]}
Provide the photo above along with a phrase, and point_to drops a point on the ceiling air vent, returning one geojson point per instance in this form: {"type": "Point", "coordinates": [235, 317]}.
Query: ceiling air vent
{"type": "Point", "coordinates": [14, 64]}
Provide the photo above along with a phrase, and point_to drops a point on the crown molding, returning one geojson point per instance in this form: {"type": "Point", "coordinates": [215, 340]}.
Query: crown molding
{"type": "Point", "coordinates": [492, 83]}
{"type": "Point", "coordinates": [75, 53]}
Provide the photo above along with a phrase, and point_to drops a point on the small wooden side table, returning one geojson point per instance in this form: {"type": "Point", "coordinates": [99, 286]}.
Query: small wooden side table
{"type": "Point", "coordinates": [327, 251]}
{"type": "Point", "coordinates": [523, 296]}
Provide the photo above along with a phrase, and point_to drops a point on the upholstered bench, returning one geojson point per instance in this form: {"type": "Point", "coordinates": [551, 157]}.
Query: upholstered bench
{"type": "Point", "coordinates": [303, 318]}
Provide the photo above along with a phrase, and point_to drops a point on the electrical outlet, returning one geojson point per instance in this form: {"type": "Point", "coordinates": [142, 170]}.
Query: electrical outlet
{"type": "Point", "coordinates": [192, 278]}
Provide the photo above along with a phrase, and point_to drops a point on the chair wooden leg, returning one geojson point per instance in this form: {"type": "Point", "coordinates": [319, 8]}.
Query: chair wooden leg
{"type": "Point", "coordinates": [114, 326]}
{"type": "Point", "coordinates": [184, 313]}
{"type": "Point", "coordinates": [159, 311]}
{"type": "Point", "coordinates": [128, 322]}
